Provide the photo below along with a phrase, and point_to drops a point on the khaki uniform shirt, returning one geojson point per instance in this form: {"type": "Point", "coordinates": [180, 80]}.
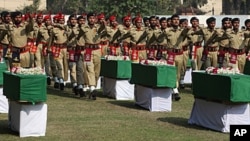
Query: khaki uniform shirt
{"type": "Point", "coordinates": [43, 34]}
{"type": "Point", "coordinates": [19, 34]}
{"type": "Point", "coordinates": [172, 36]}
{"type": "Point", "coordinates": [123, 30]}
{"type": "Point", "coordinates": [80, 41]}
{"type": "Point", "coordinates": [152, 33]}
{"type": "Point", "coordinates": [236, 39]}
{"type": "Point", "coordinates": [72, 31]}
{"type": "Point", "coordinates": [135, 34]}
{"type": "Point", "coordinates": [89, 34]}
{"type": "Point", "coordinates": [59, 35]}
{"type": "Point", "coordinates": [111, 32]}
{"type": "Point", "coordinates": [4, 34]}
{"type": "Point", "coordinates": [195, 38]}
{"type": "Point", "coordinates": [207, 33]}
{"type": "Point", "coordinates": [225, 42]}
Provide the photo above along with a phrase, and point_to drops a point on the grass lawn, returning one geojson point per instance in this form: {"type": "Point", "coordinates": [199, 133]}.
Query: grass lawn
{"type": "Point", "coordinates": [74, 119]}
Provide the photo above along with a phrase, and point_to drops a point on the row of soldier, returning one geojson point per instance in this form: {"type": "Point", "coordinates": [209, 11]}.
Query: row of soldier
{"type": "Point", "coordinates": [36, 41]}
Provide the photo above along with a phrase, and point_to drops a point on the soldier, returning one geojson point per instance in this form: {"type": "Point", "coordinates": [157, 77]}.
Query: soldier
{"type": "Point", "coordinates": [73, 55]}
{"type": "Point", "coordinates": [169, 22]}
{"type": "Point", "coordinates": [92, 56]}
{"type": "Point", "coordinates": [151, 34]}
{"type": "Point", "coordinates": [35, 49]}
{"type": "Point", "coordinates": [123, 29]}
{"type": "Point", "coordinates": [104, 39]}
{"type": "Point", "coordinates": [58, 46]}
{"type": "Point", "coordinates": [18, 33]}
{"type": "Point", "coordinates": [137, 51]}
{"type": "Point", "coordinates": [237, 56]}
{"type": "Point", "coordinates": [186, 52]}
{"type": "Point", "coordinates": [247, 42]}
{"type": "Point", "coordinates": [175, 36]}
{"type": "Point", "coordinates": [210, 51]}
{"type": "Point", "coordinates": [146, 22]}
{"type": "Point", "coordinates": [196, 40]}
{"type": "Point", "coordinates": [223, 42]}
{"type": "Point", "coordinates": [4, 38]}
{"type": "Point", "coordinates": [43, 36]}
{"type": "Point", "coordinates": [162, 46]}
{"type": "Point", "coordinates": [81, 75]}
{"type": "Point", "coordinates": [114, 33]}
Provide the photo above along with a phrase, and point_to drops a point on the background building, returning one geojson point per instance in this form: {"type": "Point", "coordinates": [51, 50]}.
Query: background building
{"type": "Point", "coordinates": [13, 5]}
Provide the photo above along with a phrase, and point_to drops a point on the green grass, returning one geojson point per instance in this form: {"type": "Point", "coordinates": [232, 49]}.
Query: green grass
{"type": "Point", "coordinates": [74, 119]}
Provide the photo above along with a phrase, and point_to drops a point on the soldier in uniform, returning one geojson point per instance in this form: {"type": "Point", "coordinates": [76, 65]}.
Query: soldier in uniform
{"type": "Point", "coordinates": [81, 75]}
{"type": "Point", "coordinates": [247, 42]}
{"type": "Point", "coordinates": [92, 56]}
{"type": "Point", "coordinates": [58, 46]}
{"type": "Point", "coordinates": [151, 35]}
{"type": "Point", "coordinates": [138, 49]}
{"type": "Point", "coordinates": [4, 38]}
{"type": "Point", "coordinates": [210, 51]}
{"type": "Point", "coordinates": [73, 55]}
{"type": "Point", "coordinates": [223, 42]}
{"type": "Point", "coordinates": [196, 40]}
{"type": "Point", "coordinates": [35, 53]}
{"type": "Point", "coordinates": [162, 46]}
{"type": "Point", "coordinates": [169, 24]}
{"type": "Point", "coordinates": [104, 39]}
{"type": "Point", "coordinates": [146, 22]}
{"type": "Point", "coordinates": [18, 35]}
{"type": "Point", "coordinates": [175, 36]}
{"type": "Point", "coordinates": [113, 33]}
{"type": "Point", "coordinates": [43, 36]}
{"type": "Point", "coordinates": [237, 56]}
{"type": "Point", "coordinates": [186, 52]}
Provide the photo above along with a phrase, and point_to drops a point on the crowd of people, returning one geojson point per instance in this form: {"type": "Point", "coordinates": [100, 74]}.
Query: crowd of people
{"type": "Point", "coordinates": [77, 44]}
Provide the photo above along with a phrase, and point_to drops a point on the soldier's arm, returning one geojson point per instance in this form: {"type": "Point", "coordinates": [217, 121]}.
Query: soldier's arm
{"type": "Point", "coordinates": [142, 37]}
{"type": "Point", "coordinates": [101, 28]}
{"type": "Point", "coordinates": [3, 27]}
{"type": "Point", "coordinates": [81, 32]}
{"type": "Point", "coordinates": [115, 36]}
{"type": "Point", "coordinates": [50, 40]}
{"type": "Point", "coordinates": [30, 25]}
{"type": "Point", "coordinates": [198, 32]}
{"type": "Point", "coordinates": [125, 36]}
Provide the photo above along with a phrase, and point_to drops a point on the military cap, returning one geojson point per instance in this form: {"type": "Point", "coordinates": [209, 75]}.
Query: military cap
{"type": "Point", "coordinates": [226, 19]}
{"type": "Point", "coordinates": [235, 19]}
{"type": "Point", "coordinates": [5, 13]}
{"type": "Point", "coordinates": [183, 20]}
{"type": "Point", "coordinates": [247, 21]}
{"type": "Point", "coordinates": [162, 19]}
{"type": "Point", "coordinates": [90, 14]}
{"type": "Point", "coordinates": [17, 13]}
{"type": "Point", "coordinates": [194, 18]}
{"type": "Point", "coordinates": [211, 19]}
{"type": "Point", "coordinates": [175, 16]}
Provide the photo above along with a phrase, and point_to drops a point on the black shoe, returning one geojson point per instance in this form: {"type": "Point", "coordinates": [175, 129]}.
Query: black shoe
{"type": "Point", "coordinates": [177, 97]}
{"type": "Point", "coordinates": [56, 85]}
{"type": "Point", "coordinates": [92, 95]}
{"type": "Point", "coordinates": [182, 86]}
{"type": "Point", "coordinates": [48, 81]}
{"type": "Point", "coordinates": [75, 91]}
{"type": "Point", "coordinates": [61, 86]}
{"type": "Point", "coordinates": [82, 93]}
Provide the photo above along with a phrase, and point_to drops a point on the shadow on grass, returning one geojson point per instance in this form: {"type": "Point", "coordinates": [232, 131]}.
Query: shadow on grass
{"type": "Point", "coordinates": [127, 104]}
{"type": "Point", "coordinates": [186, 90]}
{"type": "Point", "coordinates": [67, 92]}
{"type": "Point", "coordinates": [4, 128]}
{"type": "Point", "coordinates": [180, 121]}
